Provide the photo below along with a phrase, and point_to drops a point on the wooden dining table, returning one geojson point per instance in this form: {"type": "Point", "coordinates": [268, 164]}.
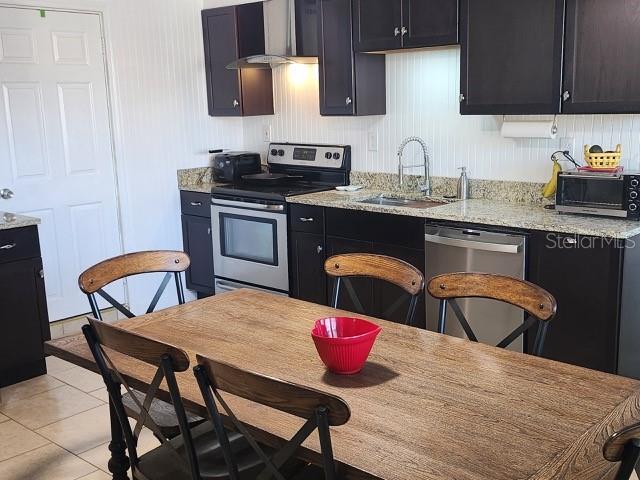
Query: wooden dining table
{"type": "Point", "coordinates": [425, 406]}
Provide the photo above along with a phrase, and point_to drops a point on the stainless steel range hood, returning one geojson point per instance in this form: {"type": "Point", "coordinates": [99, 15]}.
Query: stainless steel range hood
{"type": "Point", "coordinates": [280, 35]}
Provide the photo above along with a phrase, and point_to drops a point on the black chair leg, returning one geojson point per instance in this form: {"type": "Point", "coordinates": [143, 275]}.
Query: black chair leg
{"type": "Point", "coordinates": [119, 462]}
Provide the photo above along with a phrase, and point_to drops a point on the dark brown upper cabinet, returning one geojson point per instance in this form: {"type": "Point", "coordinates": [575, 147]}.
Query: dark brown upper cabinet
{"type": "Point", "coordinates": [350, 83]}
{"type": "Point", "coordinates": [511, 56]}
{"type": "Point", "coordinates": [231, 33]}
{"type": "Point", "coordinates": [602, 57]}
{"type": "Point", "coordinates": [381, 25]}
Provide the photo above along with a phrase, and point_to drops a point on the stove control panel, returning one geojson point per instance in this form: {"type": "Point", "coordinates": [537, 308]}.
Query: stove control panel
{"type": "Point", "coordinates": [322, 156]}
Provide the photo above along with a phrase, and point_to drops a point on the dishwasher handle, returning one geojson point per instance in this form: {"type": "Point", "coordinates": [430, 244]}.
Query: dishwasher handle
{"type": "Point", "coordinates": [475, 244]}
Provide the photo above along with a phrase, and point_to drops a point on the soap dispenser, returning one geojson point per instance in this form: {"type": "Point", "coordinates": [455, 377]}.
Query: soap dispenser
{"type": "Point", "coordinates": [463, 185]}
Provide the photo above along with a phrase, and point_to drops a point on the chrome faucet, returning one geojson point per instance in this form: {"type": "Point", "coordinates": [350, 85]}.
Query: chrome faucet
{"type": "Point", "coordinates": [426, 188]}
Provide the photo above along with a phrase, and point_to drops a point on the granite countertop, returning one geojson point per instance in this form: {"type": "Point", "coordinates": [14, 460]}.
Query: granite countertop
{"type": "Point", "coordinates": [9, 221]}
{"type": "Point", "coordinates": [198, 187]}
{"type": "Point", "coordinates": [493, 209]}
{"type": "Point", "coordinates": [482, 211]}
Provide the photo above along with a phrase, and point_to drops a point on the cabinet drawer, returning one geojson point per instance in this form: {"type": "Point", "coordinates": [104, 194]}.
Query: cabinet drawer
{"type": "Point", "coordinates": [195, 203]}
{"type": "Point", "coordinates": [381, 228]}
{"type": "Point", "coordinates": [306, 218]}
{"type": "Point", "coordinates": [19, 244]}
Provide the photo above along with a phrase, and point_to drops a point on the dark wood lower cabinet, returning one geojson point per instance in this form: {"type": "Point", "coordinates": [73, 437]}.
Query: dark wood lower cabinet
{"type": "Point", "coordinates": [23, 318]}
{"type": "Point", "coordinates": [584, 274]}
{"type": "Point", "coordinates": [196, 234]}
{"type": "Point", "coordinates": [197, 241]}
{"type": "Point", "coordinates": [339, 231]}
{"type": "Point", "coordinates": [308, 280]}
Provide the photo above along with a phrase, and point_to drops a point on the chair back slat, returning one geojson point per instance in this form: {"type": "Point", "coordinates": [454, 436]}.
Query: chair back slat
{"type": "Point", "coordinates": [380, 267]}
{"type": "Point", "coordinates": [278, 394]}
{"type": "Point", "coordinates": [168, 359]}
{"type": "Point", "coordinates": [108, 271]}
{"type": "Point", "coordinates": [623, 446]}
{"type": "Point", "coordinates": [139, 347]}
{"type": "Point", "coordinates": [531, 298]}
{"type": "Point", "coordinates": [614, 447]}
{"type": "Point", "coordinates": [537, 302]}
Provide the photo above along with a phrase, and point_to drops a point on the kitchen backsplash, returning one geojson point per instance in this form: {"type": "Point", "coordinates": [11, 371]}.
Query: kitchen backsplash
{"type": "Point", "coordinates": [422, 100]}
{"type": "Point", "coordinates": [510, 192]}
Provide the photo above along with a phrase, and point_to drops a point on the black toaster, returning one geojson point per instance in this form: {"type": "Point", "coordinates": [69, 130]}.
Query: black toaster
{"type": "Point", "coordinates": [231, 166]}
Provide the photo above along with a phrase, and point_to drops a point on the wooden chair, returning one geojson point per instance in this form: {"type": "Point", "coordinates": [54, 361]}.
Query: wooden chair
{"type": "Point", "coordinates": [537, 302]}
{"type": "Point", "coordinates": [624, 446]}
{"type": "Point", "coordinates": [379, 267]}
{"type": "Point", "coordinates": [176, 458]}
{"type": "Point", "coordinates": [92, 282]}
{"type": "Point", "coordinates": [319, 409]}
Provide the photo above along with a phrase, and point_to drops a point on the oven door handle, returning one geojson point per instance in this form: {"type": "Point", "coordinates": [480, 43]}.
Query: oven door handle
{"type": "Point", "coordinates": [254, 206]}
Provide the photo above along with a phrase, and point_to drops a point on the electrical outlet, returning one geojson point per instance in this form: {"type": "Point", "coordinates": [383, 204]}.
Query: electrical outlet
{"type": "Point", "coordinates": [266, 133]}
{"type": "Point", "coordinates": [372, 141]}
{"type": "Point", "coordinates": [567, 144]}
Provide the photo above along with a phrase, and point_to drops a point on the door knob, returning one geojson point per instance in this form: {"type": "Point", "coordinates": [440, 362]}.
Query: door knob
{"type": "Point", "coordinates": [347, 101]}
{"type": "Point", "coordinates": [6, 194]}
{"type": "Point", "coordinates": [236, 103]}
{"type": "Point", "coordinates": [396, 32]}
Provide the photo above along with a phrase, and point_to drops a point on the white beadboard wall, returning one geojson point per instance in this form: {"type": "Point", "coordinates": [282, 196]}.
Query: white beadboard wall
{"type": "Point", "coordinates": [160, 107]}
{"type": "Point", "coordinates": [422, 100]}
{"type": "Point", "coordinates": [161, 110]}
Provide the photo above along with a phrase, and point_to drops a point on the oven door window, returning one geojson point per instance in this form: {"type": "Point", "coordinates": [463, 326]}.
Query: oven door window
{"type": "Point", "coordinates": [249, 238]}
{"type": "Point", "coordinates": [592, 193]}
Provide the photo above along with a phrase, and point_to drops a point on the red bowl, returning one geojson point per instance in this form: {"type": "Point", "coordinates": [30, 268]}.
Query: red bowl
{"type": "Point", "coordinates": [344, 343]}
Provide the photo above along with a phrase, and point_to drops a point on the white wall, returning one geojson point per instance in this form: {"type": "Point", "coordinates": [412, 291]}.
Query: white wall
{"type": "Point", "coordinates": [161, 116]}
{"type": "Point", "coordinates": [422, 100]}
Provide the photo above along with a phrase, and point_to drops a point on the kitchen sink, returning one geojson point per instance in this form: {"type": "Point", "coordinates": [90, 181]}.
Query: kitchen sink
{"type": "Point", "coordinates": [401, 202]}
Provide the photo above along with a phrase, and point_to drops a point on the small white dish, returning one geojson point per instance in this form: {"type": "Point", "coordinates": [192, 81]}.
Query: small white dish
{"type": "Point", "coordinates": [349, 188]}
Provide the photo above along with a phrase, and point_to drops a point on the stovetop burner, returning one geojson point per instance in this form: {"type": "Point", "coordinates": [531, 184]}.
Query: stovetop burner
{"type": "Point", "coordinates": [269, 192]}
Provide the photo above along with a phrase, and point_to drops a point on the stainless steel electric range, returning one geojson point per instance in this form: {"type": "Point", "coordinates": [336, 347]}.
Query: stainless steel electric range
{"type": "Point", "coordinates": [249, 218]}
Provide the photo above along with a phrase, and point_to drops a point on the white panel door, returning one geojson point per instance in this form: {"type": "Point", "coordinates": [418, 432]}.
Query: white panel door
{"type": "Point", "coordinates": [55, 144]}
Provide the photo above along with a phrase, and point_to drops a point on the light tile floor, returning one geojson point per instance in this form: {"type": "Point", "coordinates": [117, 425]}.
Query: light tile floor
{"type": "Point", "coordinates": [56, 427]}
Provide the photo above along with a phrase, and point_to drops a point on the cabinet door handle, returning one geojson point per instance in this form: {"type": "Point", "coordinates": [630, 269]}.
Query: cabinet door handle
{"type": "Point", "coordinates": [8, 246]}
{"type": "Point", "coordinates": [236, 103]}
{"type": "Point", "coordinates": [209, 231]}
{"type": "Point", "coordinates": [196, 204]}
{"type": "Point", "coordinates": [396, 32]}
{"type": "Point", "coordinates": [307, 219]}
{"type": "Point", "coordinates": [566, 95]}
{"type": "Point", "coordinates": [404, 31]}
{"type": "Point", "coordinates": [319, 249]}
{"type": "Point", "coordinates": [461, 97]}
{"type": "Point", "coordinates": [348, 101]}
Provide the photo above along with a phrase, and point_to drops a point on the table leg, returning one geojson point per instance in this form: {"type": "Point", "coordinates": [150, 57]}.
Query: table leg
{"type": "Point", "coordinates": [119, 462]}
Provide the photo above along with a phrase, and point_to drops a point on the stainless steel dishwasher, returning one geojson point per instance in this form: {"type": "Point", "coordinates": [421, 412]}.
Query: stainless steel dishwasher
{"type": "Point", "coordinates": [448, 250]}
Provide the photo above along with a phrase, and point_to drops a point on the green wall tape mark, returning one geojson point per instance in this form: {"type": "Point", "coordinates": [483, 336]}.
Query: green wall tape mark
{"type": "Point", "coordinates": [43, 13]}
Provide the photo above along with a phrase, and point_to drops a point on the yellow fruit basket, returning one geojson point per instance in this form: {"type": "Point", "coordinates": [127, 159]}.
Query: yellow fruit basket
{"type": "Point", "coordinates": [604, 160]}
